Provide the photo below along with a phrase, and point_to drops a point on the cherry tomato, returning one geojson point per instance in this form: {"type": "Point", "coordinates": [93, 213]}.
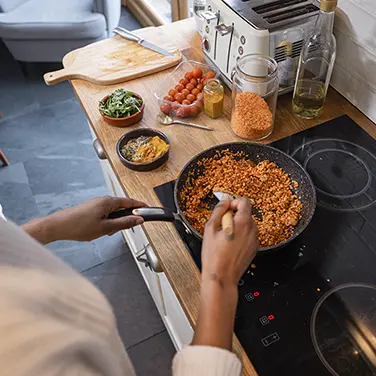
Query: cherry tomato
{"type": "Point", "coordinates": [200, 97]}
{"type": "Point", "coordinates": [195, 91]}
{"type": "Point", "coordinates": [185, 92]}
{"type": "Point", "coordinates": [179, 87]}
{"type": "Point", "coordinates": [186, 102]}
{"type": "Point", "coordinates": [198, 104]}
{"type": "Point", "coordinates": [183, 112]}
{"type": "Point", "coordinates": [184, 81]}
{"type": "Point", "coordinates": [165, 108]}
{"type": "Point", "coordinates": [172, 92]}
{"type": "Point", "coordinates": [190, 86]}
{"type": "Point", "coordinates": [210, 74]}
{"type": "Point", "coordinates": [203, 82]}
{"type": "Point", "coordinates": [179, 97]}
{"type": "Point", "coordinates": [191, 97]}
{"type": "Point", "coordinates": [169, 98]}
{"type": "Point", "coordinates": [193, 81]}
{"type": "Point", "coordinates": [174, 106]}
{"type": "Point", "coordinates": [194, 110]}
{"type": "Point", "coordinates": [188, 76]}
{"type": "Point", "coordinates": [200, 86]}
{"type": "Point", "coordinates": [197, 72]}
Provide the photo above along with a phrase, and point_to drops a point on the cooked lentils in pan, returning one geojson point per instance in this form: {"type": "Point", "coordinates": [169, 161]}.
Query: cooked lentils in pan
{"type": "Point", "coordinates": [269, 188]}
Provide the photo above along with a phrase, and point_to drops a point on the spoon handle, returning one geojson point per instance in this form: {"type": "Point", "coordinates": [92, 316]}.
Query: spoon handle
{"type": "Point", "coordinates": [193, 125]}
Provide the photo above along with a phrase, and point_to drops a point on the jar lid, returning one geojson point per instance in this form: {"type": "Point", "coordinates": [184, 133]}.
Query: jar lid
{"type": "Point", "coordinates": [257, 67]}
{"type": "Point", "coordinates": [213, 85]}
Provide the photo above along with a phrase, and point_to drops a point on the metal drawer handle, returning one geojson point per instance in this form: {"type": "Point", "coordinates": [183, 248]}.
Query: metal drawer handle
{"type": "Point", "coordinates": [99, 149]}
{"type": "Point", "coordinates": [154, 263]}
{"type": "Point", "coordinates": [150, 260]}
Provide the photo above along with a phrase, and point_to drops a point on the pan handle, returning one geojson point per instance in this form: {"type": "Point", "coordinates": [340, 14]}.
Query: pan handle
{"type": "Point", "coordinates": [148, 214]}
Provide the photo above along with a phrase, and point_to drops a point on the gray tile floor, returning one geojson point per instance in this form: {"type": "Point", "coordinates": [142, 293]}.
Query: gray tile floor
{"type": "Point", "coordinates": [45, 136]}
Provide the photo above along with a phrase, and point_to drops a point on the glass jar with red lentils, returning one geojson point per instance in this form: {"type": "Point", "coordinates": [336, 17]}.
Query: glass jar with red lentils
{"type": "Point", "coordinates": [255, 87]}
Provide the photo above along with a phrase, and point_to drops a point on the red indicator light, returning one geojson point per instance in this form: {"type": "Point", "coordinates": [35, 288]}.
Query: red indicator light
{"type": "Point", "coordinates": [271, 317]}
{"type": "Point", "coordinates": [256, 293]}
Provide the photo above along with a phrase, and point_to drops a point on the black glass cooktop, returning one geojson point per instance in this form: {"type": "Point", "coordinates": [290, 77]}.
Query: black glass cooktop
{"type": "Point", "coordinates": [310, 308]}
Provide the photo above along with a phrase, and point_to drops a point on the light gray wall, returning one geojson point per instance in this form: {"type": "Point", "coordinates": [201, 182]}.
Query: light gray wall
{"type": "Point", "coordinates": [354, 75]}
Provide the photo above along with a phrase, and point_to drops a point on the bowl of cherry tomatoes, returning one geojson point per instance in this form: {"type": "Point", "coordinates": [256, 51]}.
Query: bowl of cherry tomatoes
{"type": "Point", "coordinates": [182, 94]}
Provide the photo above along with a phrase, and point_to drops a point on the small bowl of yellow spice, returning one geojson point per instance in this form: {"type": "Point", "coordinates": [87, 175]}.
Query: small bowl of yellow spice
{"type": "Point", "coordinates": [143, 149]}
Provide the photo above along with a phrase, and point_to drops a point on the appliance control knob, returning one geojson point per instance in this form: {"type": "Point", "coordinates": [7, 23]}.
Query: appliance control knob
{"type": "Point", "coordinates": [206, 44]}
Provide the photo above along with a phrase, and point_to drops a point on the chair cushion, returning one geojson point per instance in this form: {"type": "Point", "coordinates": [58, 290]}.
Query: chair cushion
{"type": "Point", "coordinates": [9, 5]}
{"type": "Point", "coordinates": [53, 19]}
{"type": "Point", "coordinates": [45, 50]}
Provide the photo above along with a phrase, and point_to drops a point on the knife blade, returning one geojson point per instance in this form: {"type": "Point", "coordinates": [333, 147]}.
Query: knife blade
{"type": "Point", "coordinates": [142, 42]}
{"type": "Point", "coordinates": [153, 47]}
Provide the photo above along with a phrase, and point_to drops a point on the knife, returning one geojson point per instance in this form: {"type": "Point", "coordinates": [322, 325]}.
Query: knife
{"type": "Point", "coordinates": [142, 42]}
{"type": "Point", "coordinates": [227, 219]}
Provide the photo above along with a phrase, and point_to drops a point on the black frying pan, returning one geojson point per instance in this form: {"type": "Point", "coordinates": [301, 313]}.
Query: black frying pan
{"type": "Point", "coordinates": [256, 153]}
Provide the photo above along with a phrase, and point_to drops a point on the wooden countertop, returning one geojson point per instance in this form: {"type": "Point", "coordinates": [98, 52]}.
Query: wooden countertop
{"type": "Point", "coordinates": [178, 265]}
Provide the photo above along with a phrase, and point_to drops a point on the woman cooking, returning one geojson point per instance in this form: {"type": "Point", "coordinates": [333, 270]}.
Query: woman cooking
{"type": "Point", "coordinates": [54, 322]}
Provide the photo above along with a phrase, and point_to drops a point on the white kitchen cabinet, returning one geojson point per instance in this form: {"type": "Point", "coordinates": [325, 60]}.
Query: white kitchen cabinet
{"type": "Point", "coordinates": [136, 237]}
{"type": "Point", "coordinates": [175, 319]}
{"type": "Point", "coordinates": [137, 242]}
{"type": "Point", "coordinates": [168, 306]}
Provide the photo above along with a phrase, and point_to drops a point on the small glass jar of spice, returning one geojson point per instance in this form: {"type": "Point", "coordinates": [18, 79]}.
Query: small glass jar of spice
{"type": "Point", "coordinates": [213, 98]}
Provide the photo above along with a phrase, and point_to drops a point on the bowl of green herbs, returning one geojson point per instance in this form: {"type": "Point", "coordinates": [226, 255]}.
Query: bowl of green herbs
{"type": "Point", "coordinates": [122, 108]}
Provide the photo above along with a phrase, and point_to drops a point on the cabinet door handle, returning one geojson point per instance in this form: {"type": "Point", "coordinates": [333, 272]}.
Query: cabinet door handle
{"type": "Point", "coordinates": [154, 263]}
{"type": "Point", "coordinates": [150, 259]}
{"type": "Point", "coordinates": [99, 149]}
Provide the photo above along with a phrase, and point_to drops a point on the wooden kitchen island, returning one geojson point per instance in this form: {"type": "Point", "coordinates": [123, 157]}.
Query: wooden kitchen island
{"type": "Point", "coordinates": [175, 281]}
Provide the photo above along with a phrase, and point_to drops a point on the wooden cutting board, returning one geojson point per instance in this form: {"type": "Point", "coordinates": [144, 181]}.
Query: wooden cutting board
{"type": "Point", "coordinates": [115, 60]}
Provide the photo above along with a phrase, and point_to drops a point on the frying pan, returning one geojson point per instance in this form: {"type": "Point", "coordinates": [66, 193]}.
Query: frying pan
{"type": "Point", "coordinates": [254, 152]}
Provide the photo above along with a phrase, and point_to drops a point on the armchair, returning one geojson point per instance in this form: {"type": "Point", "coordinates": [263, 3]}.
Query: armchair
{"type": "Point", "coordinates": [45, 30]}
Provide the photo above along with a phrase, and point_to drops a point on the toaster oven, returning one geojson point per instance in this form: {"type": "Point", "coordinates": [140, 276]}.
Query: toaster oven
{"type": "Point", "coordinates": [276, 28]}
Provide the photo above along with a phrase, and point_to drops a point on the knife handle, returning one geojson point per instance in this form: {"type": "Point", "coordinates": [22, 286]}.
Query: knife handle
{"type": "Point", "coordinates": [227, 221]}
{"type": "Point", "coordinates": [126, 34]}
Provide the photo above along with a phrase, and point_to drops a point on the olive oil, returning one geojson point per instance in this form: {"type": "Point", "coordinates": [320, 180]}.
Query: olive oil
{"type": "Point", "coordinates": [316, 64]}
{"type": "Point", "coordinates": [309, 98]}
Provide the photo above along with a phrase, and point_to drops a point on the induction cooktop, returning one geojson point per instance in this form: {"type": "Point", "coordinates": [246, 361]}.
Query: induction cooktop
{"type": "Point", "coordinates": [310, 307]}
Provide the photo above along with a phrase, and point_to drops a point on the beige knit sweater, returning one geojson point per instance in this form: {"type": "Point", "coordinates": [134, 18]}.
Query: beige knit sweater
{"type": "Point", "coordinates": [55, 322]}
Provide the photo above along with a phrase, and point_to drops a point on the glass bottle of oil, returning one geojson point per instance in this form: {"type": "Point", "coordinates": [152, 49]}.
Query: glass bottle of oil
{"type": "Point", "coordinates": [316, 65]}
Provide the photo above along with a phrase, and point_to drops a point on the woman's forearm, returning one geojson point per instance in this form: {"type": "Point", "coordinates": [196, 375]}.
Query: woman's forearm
{"type": "Point", "coordinates": [84, 222]}
{"type": "Point", "coordinates": [216, 319]}
{"type": "Point", "coordinates": [44, 229]}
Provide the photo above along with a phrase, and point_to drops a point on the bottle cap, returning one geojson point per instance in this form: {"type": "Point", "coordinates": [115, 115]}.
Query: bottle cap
{"type": "Point", "coordinates": [328, 5]}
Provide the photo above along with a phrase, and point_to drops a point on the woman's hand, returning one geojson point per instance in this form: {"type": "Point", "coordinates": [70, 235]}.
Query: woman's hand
{"type": "Point", "coordinates": [226, 259]}
{"type": "Point", "coordinates": [84, 222]}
